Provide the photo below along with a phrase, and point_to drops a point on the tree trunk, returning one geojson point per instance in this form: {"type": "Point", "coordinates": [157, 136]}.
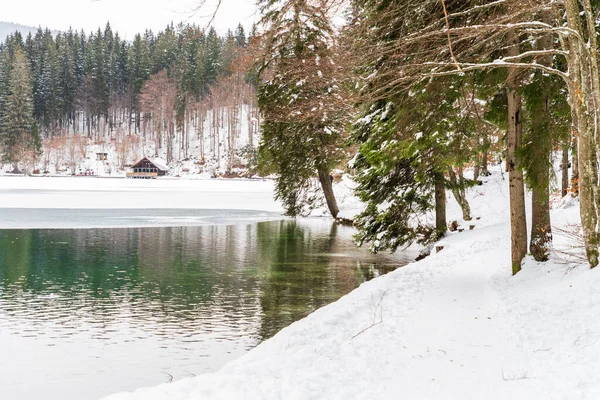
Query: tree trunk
{"type": "Point", "coordinates": [459, 192]}
{"type": "Point", "coordinates": [574, 165]}
{"type": "Point", "coordinates": [592, 92]}
{"type": "Point", "coordinates": [441, 225]}
{"type": "Point", "coordinates": [89, 125]}
{"type": "Point", "coordinates": [484, 162]}
{"type": "Point", "coordinates": [541, 229]}
{"type": "Point", "coordinates": [518, 221]}
{"type": "Point", "coordinates": [586, 198]}
{"type": "Point", "coordinates": [565, 170]}
{"type": "Point", "coordinates": [476, 168]}
{"type": "Point", "coordinates": [327, 186]}
{"type": "Point", "coordinates": [579, 91]}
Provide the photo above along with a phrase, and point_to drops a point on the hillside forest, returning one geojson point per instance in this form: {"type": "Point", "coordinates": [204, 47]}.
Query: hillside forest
{"type": "Point", "coordinates": [180, 93]}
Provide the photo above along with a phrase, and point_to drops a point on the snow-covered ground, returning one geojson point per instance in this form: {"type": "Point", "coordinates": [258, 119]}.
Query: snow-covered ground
{"type": "Point", "coordinates": [456, 325]}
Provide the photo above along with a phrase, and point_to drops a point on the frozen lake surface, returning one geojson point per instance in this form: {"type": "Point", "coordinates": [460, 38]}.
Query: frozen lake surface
{"type": "Point", "coordinates": [102, 193]}
{"type": "Point", "coordinates": [58, 218]}
{"type": "Point", "coordinates": [60, 203]}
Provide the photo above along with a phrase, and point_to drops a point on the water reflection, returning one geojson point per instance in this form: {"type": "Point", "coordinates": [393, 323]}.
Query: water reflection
{"type": "Point", "coordinates": [105, 310]}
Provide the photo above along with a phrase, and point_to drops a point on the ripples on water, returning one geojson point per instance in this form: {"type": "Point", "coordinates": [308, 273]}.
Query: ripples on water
{"type": "Point", "coordinates": [84, 313]}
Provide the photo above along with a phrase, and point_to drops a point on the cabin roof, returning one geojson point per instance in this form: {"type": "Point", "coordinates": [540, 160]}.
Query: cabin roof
{"type": "Point", "coordinates": [160, 164]}
{"type": "Point", "coordinates": [157, 162]}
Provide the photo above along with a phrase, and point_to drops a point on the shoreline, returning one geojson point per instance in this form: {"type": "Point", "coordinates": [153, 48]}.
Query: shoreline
{"type": "Point", "coordinates": [456, 323]}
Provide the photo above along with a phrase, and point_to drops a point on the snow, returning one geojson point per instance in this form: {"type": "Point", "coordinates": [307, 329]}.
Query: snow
{"type": "Point", "coordinates": [455, 325]}
{"type": "Point", "coordinates": [161, 164]}
{"type": "Point", "coordinates": [207, 154]}
{"type": "Point", "coordinates": [350, 206]}
{"type": "Point", "coordinates": [74, 202]}
{"type": "Point", "coordinates": [119, 193]}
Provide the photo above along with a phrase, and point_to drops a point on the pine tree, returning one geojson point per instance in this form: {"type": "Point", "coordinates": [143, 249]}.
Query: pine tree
{"type": "Point", "coordinates": [414, 139]}
{"type": "Point", "coordinates": [240, 36]}
{"type": "Point", "coordinates": [67, 81]}
{"type": "Point", "coordinates": [18, 135]}
{"type": "Point", "coordinates": [99, 74]}
{"type": "Point", "coordinates": [408, 143]}
{"type": "Point", "coordinates": [229, 50]}
{"type": "Point", "coordinates": [4, 73]}
{"type": "Point", "coordinates": [547, 115]}
{"type": "Point", "coordinates": [165, 50]}
{"type": "Point", "coordinates": [302, 118]}
{"type": "Point", "coordinates": [211, 57]}
{"type": "Point", "coordinates": [138, 64]}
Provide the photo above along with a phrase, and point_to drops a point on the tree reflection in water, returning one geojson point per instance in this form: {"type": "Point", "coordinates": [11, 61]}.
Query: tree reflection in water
{"type": "Point", "coordinates": [202, 295]}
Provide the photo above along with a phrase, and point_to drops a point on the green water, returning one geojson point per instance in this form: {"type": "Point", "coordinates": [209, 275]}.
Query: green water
{"type": "Point", "coordinates": [89, 312]}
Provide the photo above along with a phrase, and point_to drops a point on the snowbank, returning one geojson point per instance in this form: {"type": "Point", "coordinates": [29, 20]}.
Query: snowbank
{"type": "Point", "coordinates": [456, 325]}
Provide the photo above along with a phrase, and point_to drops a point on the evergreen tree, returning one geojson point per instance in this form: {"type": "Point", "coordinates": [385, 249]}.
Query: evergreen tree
{"type": "Point", "coordinates": [67, 81]}
{"type": "Point", "coordinates": [546, 128]}
{"type": "Point", "coordinates": [18, 135]}
{"type": "Point", "coordinates": [408, 143]}
{"type": "Point", "coordinates": [211, 57]}
{"type": "Point", "coordinates": [4, 73]}
{"type": "Point", "coordinates": [410, 136]}
{"type": "Point", "coordinates": [302, 119]}
{"type": "Point", "coordinates": [164, 50]}
{"type": "Point", "coordinates": [100, 73]}
{"type": "Point", "coordinates": [240, 36]}
{"type": "Point", "coordinates": [229, 50]}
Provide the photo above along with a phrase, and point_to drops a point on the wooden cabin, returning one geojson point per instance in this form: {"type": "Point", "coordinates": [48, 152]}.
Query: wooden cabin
{"type": "Point", "coordinates": [101, 156]}
{"type": "Point", "coordinates": [148, 168]}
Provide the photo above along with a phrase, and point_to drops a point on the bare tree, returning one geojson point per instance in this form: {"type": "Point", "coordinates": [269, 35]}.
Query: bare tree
{"type": "Point", "coordinates": [75, 151]}
{"type": "Point", "coordinates": [158, 98]}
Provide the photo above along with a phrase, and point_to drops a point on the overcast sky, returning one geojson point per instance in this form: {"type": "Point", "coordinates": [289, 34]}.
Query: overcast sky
{"type": "Point", "coordinates": [128, 17]}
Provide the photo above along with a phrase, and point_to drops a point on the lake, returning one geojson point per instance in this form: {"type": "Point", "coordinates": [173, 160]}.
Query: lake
{"type": "Point", "coordinates": [89, 312]}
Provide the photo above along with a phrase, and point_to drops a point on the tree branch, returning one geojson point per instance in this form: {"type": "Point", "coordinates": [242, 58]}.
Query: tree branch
{"type": "Point", "coordinates": [448, 34]}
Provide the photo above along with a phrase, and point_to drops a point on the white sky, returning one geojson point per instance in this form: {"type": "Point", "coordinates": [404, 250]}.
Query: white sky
{"type": "Point", "coordinates": [127, 17]}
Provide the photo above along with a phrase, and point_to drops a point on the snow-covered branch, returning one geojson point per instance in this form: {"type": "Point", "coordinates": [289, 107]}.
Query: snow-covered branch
{"type": "Point", "coordinates": [536, 53]}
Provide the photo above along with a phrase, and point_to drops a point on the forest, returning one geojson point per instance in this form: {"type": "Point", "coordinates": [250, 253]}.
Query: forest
{"type": "Point", "coordinates": [407, 96]}
{"type": "Point", "coordinates": [162, 88]}
{"type": "Point", "coordinates": [415, 92]}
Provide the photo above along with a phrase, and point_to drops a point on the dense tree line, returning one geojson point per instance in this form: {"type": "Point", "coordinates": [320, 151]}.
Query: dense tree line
{"type": "Point", "coordinates": [98, 84]}
{"type": "Point", "coordinates": [430, 88]}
